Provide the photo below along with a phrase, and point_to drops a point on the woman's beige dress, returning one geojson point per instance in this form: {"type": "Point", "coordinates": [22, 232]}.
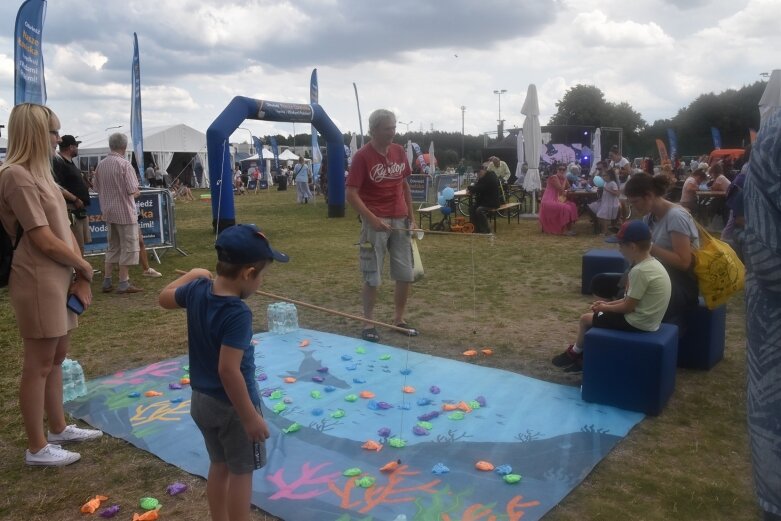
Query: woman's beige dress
{"type": "Point", "coordinates": [38, 286]}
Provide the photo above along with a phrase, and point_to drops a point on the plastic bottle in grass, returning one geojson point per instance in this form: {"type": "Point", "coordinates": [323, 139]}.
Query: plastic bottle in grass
{"type": "Point", "coordinates": [73, 385]}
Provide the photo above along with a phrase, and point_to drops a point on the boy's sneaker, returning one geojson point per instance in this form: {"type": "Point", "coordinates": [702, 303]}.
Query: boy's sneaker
{"type": "Point", "coordinates": [567, 358]}
{"type": "Point", "coordinates": [71, 433]}
{"type": "Point", "coordinates": [52, 456]}
{"type": "Point", "coordinates": [576, 366]}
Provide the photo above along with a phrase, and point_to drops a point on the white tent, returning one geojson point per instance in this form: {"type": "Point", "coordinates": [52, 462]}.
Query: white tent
{"type": "Point", "coordinates": [287, 155]}
{"type": "Point", "coordinates": [173, 147]}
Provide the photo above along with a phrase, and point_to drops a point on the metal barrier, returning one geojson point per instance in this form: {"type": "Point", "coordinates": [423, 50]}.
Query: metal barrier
{"type": "Point", "coordinates": [155, 218]}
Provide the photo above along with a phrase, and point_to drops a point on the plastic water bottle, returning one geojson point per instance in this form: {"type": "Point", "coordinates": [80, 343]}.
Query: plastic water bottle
{"type": "Point", "coordinates": [73, 385]}
{"type": "Point", "coordinates": [282, 317]}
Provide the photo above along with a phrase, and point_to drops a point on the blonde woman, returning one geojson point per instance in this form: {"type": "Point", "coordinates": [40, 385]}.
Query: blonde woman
{"type": "Point", "coordinates": [47, 268]}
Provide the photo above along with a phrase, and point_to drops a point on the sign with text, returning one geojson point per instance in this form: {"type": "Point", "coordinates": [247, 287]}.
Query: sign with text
{"type": "Point", "coordinates": [444, 180]}
{"type": "Point", "coordinates": [418, 186]}
{"type": "Point", "coordinates": [288, 112]}
{"type": "Point", "coordinates": [154, 216]}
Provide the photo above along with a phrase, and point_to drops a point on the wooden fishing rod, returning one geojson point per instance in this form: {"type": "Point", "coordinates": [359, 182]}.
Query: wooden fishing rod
{"type": "Point", "coordinates": [326, 310]}
{"type": "Point", "coordinates": [425, 232]}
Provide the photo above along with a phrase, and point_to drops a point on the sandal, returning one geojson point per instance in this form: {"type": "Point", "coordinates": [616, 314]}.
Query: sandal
{"type": "Point", "coordinates": [370, 335]}
{"type": "Point", "coordinates": [411, 331]}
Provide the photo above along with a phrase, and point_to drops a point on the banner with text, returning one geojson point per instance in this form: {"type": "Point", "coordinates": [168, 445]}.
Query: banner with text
{"type": "Point", "coordinates": [154, 220]}
{"type": "Point", "coordinates": [29, 83]}
{"type": "Point", "coordinates": [136, 126]}
{"type": "Point", "coordinates": [418, 186]}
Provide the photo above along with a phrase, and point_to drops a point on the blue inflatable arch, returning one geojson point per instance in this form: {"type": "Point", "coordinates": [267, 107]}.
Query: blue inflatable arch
{"type": "Point", "coordinates": [221, 168]}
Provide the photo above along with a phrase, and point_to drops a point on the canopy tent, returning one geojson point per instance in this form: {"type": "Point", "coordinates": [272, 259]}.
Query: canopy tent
{"type": "Point", "coordinates": [175, 148]}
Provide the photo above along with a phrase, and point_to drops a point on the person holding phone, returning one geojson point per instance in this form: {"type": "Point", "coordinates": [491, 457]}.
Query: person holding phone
{"type": "Point", "coordinates": [47, 267]}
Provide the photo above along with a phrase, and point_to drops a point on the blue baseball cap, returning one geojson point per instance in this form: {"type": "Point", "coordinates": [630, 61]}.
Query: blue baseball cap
{"type": "Point", "coordinates": [631, 231]}
{"type": "Point", "coordinates": [245, 244]}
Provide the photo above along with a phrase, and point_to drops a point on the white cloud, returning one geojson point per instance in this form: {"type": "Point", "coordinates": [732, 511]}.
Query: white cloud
{"type": "Point", "coordinates": [596, 29]}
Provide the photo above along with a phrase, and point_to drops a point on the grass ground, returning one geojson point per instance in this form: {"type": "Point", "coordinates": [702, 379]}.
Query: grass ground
{"type": "Point", "coordinates": [518, 294]}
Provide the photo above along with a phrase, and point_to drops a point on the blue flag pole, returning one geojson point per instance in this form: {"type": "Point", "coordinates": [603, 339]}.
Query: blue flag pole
{"type": "Point", "coordinates": [136, 126]}
{"type": "Point", "coordinates": [29, 82]}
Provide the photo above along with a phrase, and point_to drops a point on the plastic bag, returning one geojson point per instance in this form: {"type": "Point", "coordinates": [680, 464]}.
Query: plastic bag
{"type": "Point", "coordinates": [417, 263]}
{"type": "Point", "coordinates": [720, 273]}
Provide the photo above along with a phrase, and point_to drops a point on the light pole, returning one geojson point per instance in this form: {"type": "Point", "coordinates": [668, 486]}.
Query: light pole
{"type": "Point", "coordinates": [406, 125]}
{"type": "Point", "coordinates": [251, 141]}
{"type": "Point", "coordinates": [499, 93]}
{"type": "Point", "coordinates": [463, 109]}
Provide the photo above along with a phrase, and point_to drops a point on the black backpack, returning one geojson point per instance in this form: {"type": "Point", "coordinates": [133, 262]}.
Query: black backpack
{"type": "Point", "coordinates": [7, 253]}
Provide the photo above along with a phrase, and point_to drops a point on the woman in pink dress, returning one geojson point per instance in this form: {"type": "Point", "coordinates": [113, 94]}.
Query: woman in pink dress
{"type": "Point", "coordinates": [557, 213]}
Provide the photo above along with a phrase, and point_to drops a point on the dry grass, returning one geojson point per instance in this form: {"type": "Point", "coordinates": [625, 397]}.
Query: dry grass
{"type": "Point", "coordinates": [518, 294]}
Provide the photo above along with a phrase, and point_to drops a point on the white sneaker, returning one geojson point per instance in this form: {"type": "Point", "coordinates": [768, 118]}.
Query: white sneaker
{"type": "Point", "coordinates": [51, 455]}
{"type": "Point", "coordinates": [151, 272]}
{"type": "Point", "coordinates": [73, 433]}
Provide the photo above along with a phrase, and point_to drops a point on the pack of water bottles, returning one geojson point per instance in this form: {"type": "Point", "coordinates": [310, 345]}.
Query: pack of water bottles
{"type": "Point", "coordinates": [282, 317]}
{"type": "Point", "coordinates": [73, 384]}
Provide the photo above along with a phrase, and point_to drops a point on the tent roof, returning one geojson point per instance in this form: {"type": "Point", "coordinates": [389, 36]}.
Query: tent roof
{"type": "Point", "coordinates": [170, 138]}
{"type": "Point", "coordinates": [267, 154]}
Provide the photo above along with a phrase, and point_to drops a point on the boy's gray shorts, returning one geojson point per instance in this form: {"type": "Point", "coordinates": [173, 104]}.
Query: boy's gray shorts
{"type": "Point", "coordinates": [226, 441]}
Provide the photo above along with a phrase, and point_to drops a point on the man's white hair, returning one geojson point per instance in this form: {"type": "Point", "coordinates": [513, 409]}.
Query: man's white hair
{"type": "Point", "coordinates": [380, 116]}
{"type": "Point", "coordinates": [117, 141]}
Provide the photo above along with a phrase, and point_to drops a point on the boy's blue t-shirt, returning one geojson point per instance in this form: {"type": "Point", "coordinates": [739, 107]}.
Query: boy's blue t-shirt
{"type": "Point", "coordinates": [213, 321]}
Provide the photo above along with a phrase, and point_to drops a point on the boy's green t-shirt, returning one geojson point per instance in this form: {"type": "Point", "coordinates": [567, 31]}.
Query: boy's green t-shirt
{"type": "Point", "coordinates": [649, 284]}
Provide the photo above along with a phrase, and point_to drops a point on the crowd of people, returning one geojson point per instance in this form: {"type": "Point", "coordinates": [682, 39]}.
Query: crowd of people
{"type": "Point", "coordinates": [43, 201]}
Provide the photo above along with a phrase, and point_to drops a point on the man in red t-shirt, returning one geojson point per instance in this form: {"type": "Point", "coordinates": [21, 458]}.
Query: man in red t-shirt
{"type": "Point", "coordinates": [377, 189]}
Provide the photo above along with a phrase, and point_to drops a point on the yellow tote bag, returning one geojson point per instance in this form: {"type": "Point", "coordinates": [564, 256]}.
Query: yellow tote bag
{"type": "Point", "coordinates": [719, 271]}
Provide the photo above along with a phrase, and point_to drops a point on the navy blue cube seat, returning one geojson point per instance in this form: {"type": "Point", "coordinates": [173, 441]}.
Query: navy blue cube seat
{"type": "Point", "coordinates": [595, 262]}
{"type": "Point", "coordinates": [701, 345]}
{"type": "Point", "coordinates": [633, 371]}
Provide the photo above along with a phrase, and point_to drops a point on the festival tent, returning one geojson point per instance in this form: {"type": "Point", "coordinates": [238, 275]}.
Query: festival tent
{"type": "Point", "coordinates": [175, 148]}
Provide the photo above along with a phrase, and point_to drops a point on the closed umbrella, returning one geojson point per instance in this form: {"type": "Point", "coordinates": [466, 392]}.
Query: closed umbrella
{"type": "Point", "coordinates": [597, 150]}
{"type": "Point", "coordinates": [532, 142]}
{"type": "Point", "coordinates": [410, 153]}
{"type": "Point", "coordinates": [432, 159]}
{"type": "Point", "coordinates": [771, 98]}
{"type": "Point", "coordinates": [519, 150]}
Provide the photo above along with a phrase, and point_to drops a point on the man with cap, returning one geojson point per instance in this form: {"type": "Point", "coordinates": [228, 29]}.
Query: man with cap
{"type": "Point", "coordinates": [645, 301]}
{"type": "Point", "coordinates": [73, 187]}
{"type": "Point", "coordinates": [225, 400]}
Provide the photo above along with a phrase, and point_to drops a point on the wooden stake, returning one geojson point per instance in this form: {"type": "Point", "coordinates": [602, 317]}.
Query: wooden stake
{"type": "Point", "coordinates": [326, 310]}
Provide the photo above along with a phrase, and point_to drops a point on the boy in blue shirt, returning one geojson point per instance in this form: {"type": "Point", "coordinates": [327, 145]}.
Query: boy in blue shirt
{"type": "Point", "coordinates": [225, 400]}
{"type": "Point", "coordinates": [645, 301]}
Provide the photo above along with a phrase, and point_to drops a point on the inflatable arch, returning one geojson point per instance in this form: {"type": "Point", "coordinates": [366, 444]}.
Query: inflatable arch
{"type": "Point", "coordinates": [221, 168]}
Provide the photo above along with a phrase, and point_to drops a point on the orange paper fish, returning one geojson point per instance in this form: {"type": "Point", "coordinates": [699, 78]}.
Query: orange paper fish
{"type": "Point", "coordinates": [390, 466]}
{"type": "Point", "coordinates": [372, 445]}
{"type": "Point", "coordinates": [303, 343]}
{"type": "Point", "coordinates": [184, 381]}
{"type": "Point", "coordinates": [146, 516]}
{"type": "Point", "coordinates": [290, 380]}
{"type": "Point", "coordinates": [449, 407]}
{"type": "Point", "coordinates": [470, 353]}
{"type": "Point", "coordinates": [367, 395]}
{"type": "Point", "coordinates": [484, 466]}
{"type": "Point", "coordinates": [487, 351]}
{"type": "Point", "coordinates": [152, 394]}
{"type": "Point", "coordinates": [464, 407]}
{"type": "Point", "coordinates": [92, 505]}
{"type": "Point", "coordinates": [408, 389]}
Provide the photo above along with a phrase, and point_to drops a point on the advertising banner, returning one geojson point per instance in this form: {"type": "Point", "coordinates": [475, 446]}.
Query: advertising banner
{"type": "Point", "coordinates": [154, 221]}
{"type": "Point", "coordinates": [29, 84]}
{"type": "Point", "coordinates": [288, 112]}
{"type": "Point", "coordinates": [418, 185]}
{"type": "Point", "coordinates": [136, 127]}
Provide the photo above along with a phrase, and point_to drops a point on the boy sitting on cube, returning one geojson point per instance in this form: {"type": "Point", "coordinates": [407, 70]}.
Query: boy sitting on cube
{"type": "Point", "coordinates": [645, 301]}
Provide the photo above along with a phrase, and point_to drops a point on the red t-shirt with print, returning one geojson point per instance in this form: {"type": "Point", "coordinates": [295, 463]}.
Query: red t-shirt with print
{"type": "Point", "coordinates": [379, 179]}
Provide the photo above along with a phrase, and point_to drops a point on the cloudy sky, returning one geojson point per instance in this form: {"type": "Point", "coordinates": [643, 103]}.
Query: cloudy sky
{"type": "Point", "coordinates": [423, 59]}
